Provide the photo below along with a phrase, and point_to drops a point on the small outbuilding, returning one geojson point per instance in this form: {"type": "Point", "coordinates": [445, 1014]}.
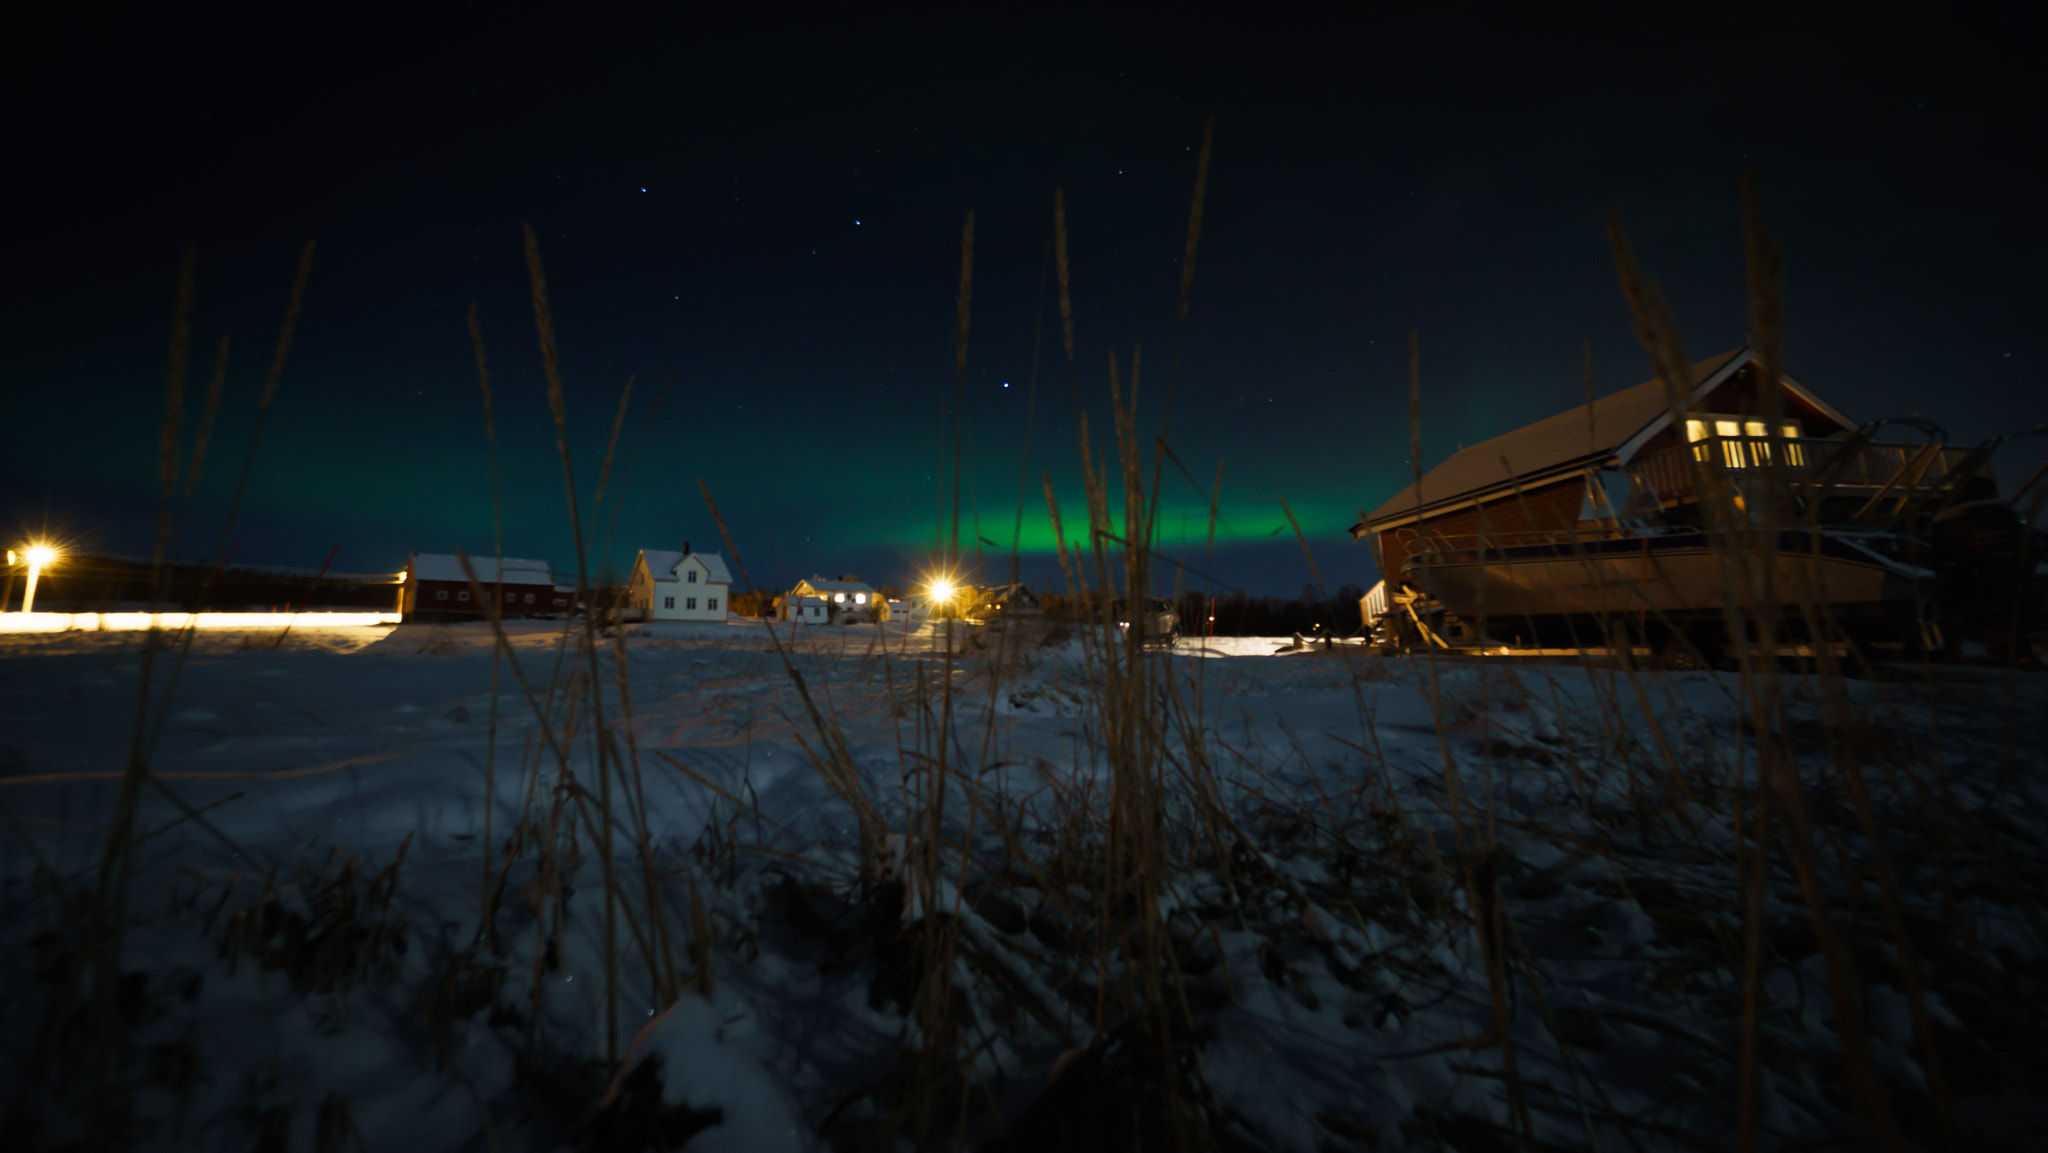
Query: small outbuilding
{"type": "Point", "coordinates": [803, 609]}
{"type": "Point", "coordinates": [437, 589]}
{"type": "Point", "coordinates": [679, 586]}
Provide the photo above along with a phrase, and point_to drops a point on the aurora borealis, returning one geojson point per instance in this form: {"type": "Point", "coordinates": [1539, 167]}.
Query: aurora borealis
{"type": "Point", "coordinates": [769, 215]}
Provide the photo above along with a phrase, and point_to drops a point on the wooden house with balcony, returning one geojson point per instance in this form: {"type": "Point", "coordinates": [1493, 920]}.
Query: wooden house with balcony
{"type": "Point", "coordinates": [1595, 514]}
{"type": "Point", "coordinates": [1626, 457]}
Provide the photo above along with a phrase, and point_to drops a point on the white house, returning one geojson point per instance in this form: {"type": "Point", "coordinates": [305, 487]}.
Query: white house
{"type": "Point", "coordinates": [680, 586]}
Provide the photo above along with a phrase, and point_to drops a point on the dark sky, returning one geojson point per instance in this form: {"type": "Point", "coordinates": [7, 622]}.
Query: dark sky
{"type": "Point", "coordinates": [769, 214]}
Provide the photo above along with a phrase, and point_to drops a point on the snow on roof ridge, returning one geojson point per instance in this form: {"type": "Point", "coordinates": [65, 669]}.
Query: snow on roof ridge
{"type": "Point", "coordinates": [662, 564]}
{"type": "Point", "coordinates": [448, 567]}
{"type": "Point", "coordinates": [1553, 440]}
{"type": "Point", "coordinates": [837, 585]}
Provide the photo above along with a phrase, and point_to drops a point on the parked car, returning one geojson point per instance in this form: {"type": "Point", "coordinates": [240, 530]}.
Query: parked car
{"type": "Point", "coordinates": [1156, 619]}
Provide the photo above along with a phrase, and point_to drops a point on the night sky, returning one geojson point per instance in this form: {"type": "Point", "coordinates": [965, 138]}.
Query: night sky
{"type": "Point", "coordinates": [768, 214]}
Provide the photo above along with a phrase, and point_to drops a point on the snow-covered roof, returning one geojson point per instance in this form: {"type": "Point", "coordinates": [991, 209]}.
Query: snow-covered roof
{"type": "Point", "coordinates": [663, 563]}
{"type": "Point", "coordinates": [1621, 423]}
{"type": "Point", "coordinates": [430, 566]}
{"type": "Point", "coordinates": [819, 584]}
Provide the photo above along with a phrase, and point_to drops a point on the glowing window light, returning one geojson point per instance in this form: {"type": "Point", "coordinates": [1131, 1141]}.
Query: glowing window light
{"type": "Point", "coordinates": [838, 598]}
{"type": "Point", "coordinates": [860, 598]}
{"type": "Point", "coordinates": [1744, 443]}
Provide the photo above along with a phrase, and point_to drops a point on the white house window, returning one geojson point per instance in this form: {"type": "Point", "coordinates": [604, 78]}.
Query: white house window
{"type": "Point", "coordinates": [860, 598]}
{"type": "Point", "coordinates": [668, 602]}
{"type": "Point", "coordinates": [690, 603]}
{"type": "Point", "coordinates": [839, 598]}
{"type": "Point", "coordinates": [691, 576]}
{"type": "Point", "coordinates": [712, 603]}
{"type": "Point", "coordinates": [440, 594]}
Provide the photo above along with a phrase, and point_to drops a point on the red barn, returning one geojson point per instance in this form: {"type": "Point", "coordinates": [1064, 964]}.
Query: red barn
{"type": "Point", "coordinates": [436, 589]}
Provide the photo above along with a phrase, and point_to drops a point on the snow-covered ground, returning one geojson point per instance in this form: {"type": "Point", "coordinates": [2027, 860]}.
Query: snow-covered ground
{"type": "Point", "coordinates": [304, 961]}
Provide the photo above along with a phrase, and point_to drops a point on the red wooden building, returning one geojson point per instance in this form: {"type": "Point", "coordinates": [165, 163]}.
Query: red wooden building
{"type": "Point", "coordinates": [437, 589]}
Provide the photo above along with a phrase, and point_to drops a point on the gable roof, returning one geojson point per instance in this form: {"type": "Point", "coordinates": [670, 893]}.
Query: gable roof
{"type": "Point", "coordinates": [1621, 424]}
{"type": "Point", "coordinates": [662, 564]}
{"type": "Point", "coordinates": [820, 584]}
{"type": "Point", "coordinates": [429, 566]}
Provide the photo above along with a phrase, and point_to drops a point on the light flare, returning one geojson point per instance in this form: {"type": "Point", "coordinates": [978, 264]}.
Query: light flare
{"type": "Point", "coordinates": [38, 557]}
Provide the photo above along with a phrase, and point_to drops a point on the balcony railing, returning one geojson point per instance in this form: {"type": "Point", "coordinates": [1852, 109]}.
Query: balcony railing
{"type": "Point", "coordinates": [1798, 462]}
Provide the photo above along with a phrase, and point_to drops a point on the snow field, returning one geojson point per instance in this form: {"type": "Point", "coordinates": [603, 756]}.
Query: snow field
{"type": "Point", "coordinates": [290, 974]}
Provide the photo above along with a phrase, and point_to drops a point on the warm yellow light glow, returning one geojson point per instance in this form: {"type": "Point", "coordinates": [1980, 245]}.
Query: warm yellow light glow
{"type": "Point", "coordinates": [38, 555]}
{"type": "Point", "coordinates": [28, 622]}
{"type": "Point", "coordinates": [942, 590]}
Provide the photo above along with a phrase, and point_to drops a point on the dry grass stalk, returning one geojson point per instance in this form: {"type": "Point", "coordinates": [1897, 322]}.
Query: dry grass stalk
{"type": "Point", "coordinates": [558, 408]}
{"type": "Point", "coordinates": [1475, 845]}
{"type": "Point", "coordinates": [486, 928]}
{"type": "Point", "coordinates": [833, 758]}
{"type": "Point", "coordinates": [1747, 559]}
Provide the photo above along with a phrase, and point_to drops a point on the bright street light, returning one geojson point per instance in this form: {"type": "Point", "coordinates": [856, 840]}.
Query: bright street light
{"type": "Point", "coordinates": [37, 556]}
{"type": "Point", "coordinates": [942, 590]}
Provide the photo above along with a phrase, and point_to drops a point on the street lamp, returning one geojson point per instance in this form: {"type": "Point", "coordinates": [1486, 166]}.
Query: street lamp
{"type": "Point", "coordinates": [37, 556]}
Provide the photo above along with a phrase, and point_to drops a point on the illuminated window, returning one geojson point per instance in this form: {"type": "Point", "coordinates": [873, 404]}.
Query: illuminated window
{"type": "Point", "coordinates": [860, 598]}
{"type": "Point", "coordinates": [839, 598]}
{"type": "Point", "coordinates": [1745, 443]}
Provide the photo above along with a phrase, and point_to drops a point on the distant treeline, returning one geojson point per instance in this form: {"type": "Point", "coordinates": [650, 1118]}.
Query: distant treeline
{"type": "Point", "coordinates": [1242, 615]}
{"type": "Point", "coordinates": [87, 584]}
{"type": "Point", "coordinates": [1237, 614]}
